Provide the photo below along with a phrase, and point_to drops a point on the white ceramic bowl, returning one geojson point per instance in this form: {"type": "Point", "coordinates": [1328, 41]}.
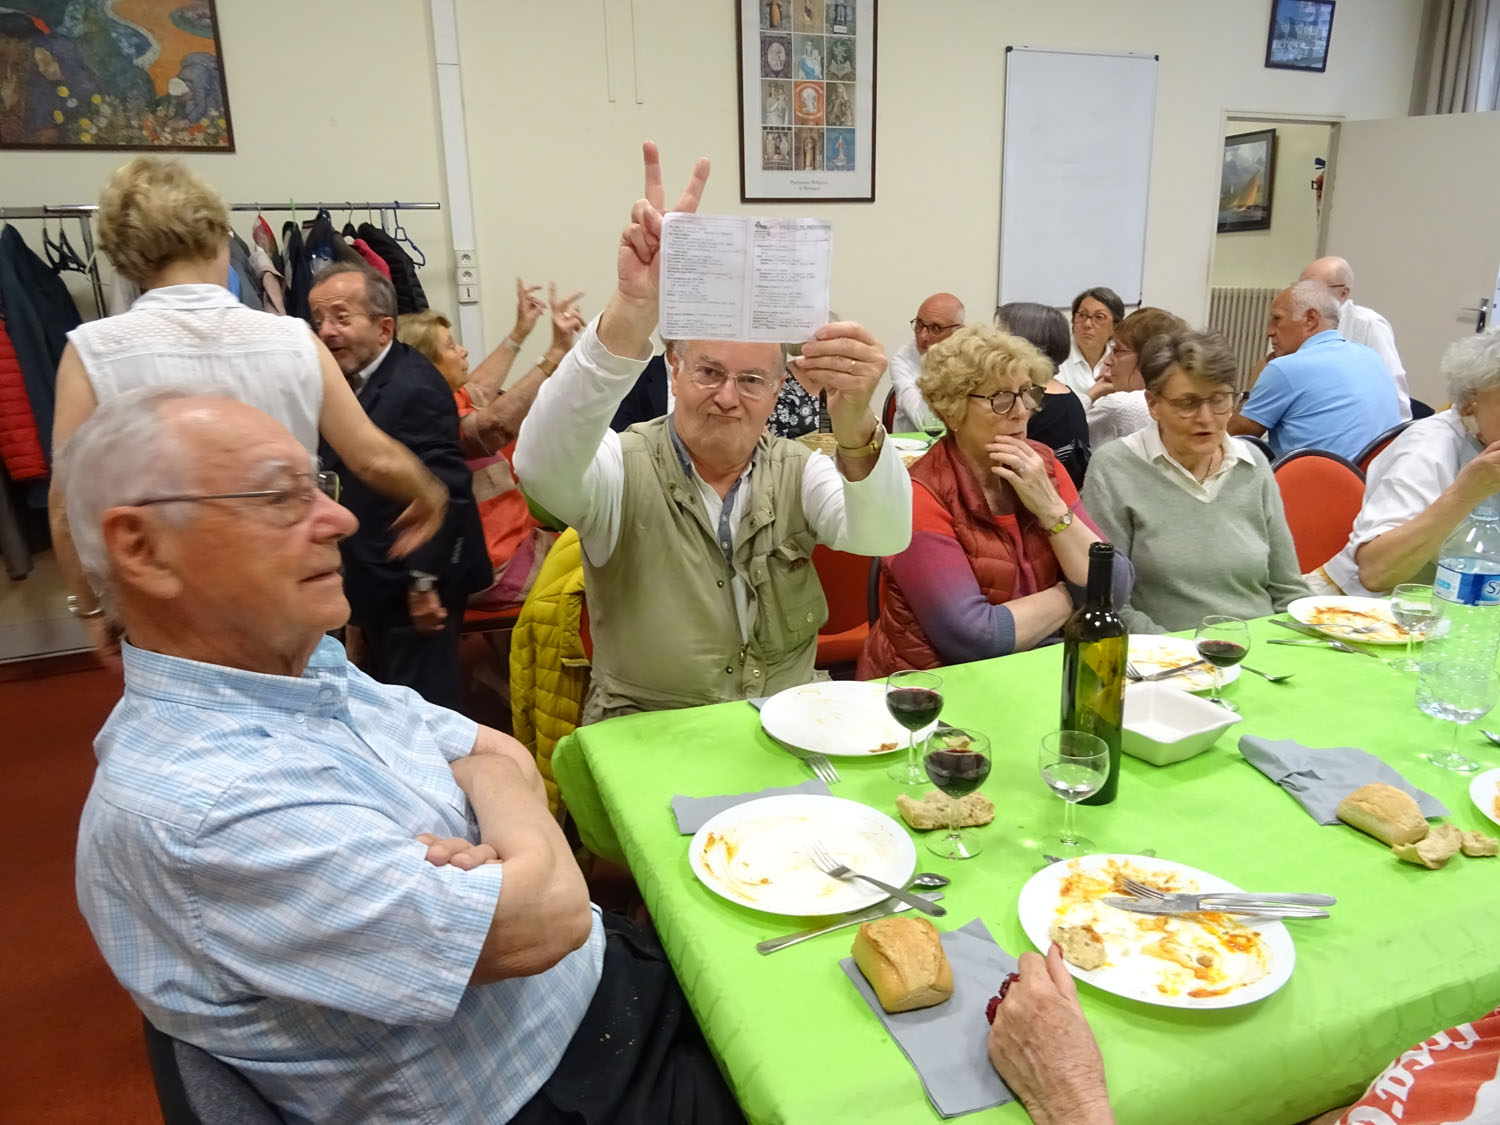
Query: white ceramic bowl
{"type": "Point", "coordinates": [1164, 725]}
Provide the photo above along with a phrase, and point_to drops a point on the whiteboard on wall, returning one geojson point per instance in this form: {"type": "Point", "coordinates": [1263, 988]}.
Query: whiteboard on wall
{"type": "Point", "coordinates": [1076, 173]}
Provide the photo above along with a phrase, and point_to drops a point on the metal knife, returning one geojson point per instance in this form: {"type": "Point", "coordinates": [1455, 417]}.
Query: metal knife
{"type": "Point", "coordinates": [869, 914]}
{"type": "Point", "coordinates": [1308, 630]}
{"type": "Point", "coordinates": [1168, 673]}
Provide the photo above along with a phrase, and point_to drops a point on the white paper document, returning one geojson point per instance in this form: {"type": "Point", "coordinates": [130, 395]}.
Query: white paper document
{"type": "Point", "coordinates": [730, 278]}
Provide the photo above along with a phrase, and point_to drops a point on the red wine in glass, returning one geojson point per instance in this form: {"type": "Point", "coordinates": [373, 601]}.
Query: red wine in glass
{"type": "Point", "coordinates": [957, 772]}
{"type": "Point", "coordinates": [914, 707]}
{"type": "Point", "coordinates": [1221, 654]}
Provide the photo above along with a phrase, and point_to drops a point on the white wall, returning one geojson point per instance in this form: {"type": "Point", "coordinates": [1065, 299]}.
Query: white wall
{"type": "Point", "coordinates": [556, 163]}
{"type": "Point", "coordinates": [1274, 257]}
{"type": "Point", "coordinates": [330, 100]}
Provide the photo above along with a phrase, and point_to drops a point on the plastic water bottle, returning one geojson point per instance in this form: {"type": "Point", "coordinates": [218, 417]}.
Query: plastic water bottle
{"type": "Point", "coordinates": [1467, 591]}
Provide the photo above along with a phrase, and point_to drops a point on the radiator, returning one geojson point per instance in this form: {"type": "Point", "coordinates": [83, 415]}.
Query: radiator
{"type": "Point", "coordinates": [1240, 315]}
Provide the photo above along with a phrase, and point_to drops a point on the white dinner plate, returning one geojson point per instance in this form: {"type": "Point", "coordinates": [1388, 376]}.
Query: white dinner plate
{"type": "Point", "coordinates": [909, 444]}
{"type": "Point", "coordinates": [841, 718]}
{"type": "Point", "coordinates": [1152, 652]}
{"type": "Point", "coordinates": [1358, 612]}
{"type": "Point", "coordinates": [1484, 791]}
{"type": "Point", "coordinates": [1068, 891]}
{"type": "Point", "coordinates": [755, 854]}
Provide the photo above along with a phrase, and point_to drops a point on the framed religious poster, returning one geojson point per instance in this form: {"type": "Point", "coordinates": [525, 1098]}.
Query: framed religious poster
{"type": "Point", "coordinates": [807, 100]}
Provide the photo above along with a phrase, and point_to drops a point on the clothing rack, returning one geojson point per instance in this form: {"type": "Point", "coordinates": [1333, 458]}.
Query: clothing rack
{"type": "Point", "coordinates": [84, 213]}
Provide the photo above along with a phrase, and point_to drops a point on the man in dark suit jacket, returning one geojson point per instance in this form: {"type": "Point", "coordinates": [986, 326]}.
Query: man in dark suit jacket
{"type": "Point", "coordinates": [410, 610]}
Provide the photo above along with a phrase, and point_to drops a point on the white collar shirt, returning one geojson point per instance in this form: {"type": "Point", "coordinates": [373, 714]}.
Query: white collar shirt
{"type": "Point", "coordinates": [362, 376]}
{"type": "Point", "coordinates": [1146, 444]}
{"type": "Point", "coordinates": [1076, 374]}
{"type": "Point", "coordinates": [1360, 325]}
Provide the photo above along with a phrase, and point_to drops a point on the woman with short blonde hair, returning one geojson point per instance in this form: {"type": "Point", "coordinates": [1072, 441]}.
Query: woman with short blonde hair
{"type": "Point", "coordinates": [999, 548]}
{"type": "Point", "coordinates": [153, 213]}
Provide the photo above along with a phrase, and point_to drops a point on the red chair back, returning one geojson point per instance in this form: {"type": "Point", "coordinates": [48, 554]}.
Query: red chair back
{"type": "Point", "coordinates": [846, 587]}
{"type": "Point", "coordinates": [1373, 450]}
{"type": "Point", "coordinates": [1322, 494]}
{"type": "Point", "coordinates": [888, 411]}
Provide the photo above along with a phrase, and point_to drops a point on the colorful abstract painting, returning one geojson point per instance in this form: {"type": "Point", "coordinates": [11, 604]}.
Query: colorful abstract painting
{"type": "Point", "coordinates": [119, 74]}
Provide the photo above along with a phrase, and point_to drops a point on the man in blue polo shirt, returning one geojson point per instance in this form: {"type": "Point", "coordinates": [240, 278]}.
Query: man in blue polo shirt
{"type": "Point", "coordinates": [1321, 391]}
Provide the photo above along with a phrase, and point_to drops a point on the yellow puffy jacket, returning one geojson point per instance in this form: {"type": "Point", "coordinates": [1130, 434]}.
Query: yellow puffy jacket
{"type": "Point", "coordinates": [549, 674]}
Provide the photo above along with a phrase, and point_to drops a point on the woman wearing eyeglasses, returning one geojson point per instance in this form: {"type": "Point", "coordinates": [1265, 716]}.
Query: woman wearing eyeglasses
{"type": "Point", "coordinates": [1117, 400]}
{"type": "Point", "coordinates": [1197, 511]}
{"type": "Point", "coordinates": [999, 546]}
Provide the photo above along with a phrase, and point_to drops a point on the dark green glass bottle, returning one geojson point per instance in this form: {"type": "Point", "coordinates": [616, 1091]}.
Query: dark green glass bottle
{"type": "Point", "coordinates": [1094, 651]}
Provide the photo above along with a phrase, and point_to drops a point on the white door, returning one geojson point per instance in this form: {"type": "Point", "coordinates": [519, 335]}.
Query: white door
{"type": "Point", "coordinates": [1413, 210]}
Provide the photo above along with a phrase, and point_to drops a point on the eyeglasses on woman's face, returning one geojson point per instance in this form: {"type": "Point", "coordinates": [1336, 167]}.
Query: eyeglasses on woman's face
{"type": "Point", "coordinates": [1220, 402]}
{"type": "Point", "coordinates": [1003, 402]}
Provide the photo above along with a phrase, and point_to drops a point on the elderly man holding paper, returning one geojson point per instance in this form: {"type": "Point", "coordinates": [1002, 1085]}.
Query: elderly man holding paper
{"type": "Point", "coordinates": [698, 528]}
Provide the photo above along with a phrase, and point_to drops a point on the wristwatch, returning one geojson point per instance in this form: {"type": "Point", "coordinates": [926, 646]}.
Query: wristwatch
{"type": "Point", "coordinates": [870, 448]}
{"type": "Point", "coordinates": [75, 607]}
{"type": "Point", "coordinates": [423, 583]}
{"type": "Point", "coordinates": [1062, 524]}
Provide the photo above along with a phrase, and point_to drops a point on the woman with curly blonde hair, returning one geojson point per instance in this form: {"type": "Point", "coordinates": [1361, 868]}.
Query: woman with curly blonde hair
{"type": "Point", "coordinates": [999, 546]}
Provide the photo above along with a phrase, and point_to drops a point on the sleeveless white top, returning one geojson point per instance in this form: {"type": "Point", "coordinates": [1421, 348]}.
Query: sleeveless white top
{"type": "Point", "coordinates": [200, 338]}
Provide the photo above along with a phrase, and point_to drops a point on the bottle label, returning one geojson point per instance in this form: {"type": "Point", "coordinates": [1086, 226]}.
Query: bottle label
{"type": "Point", "coordinates": [1466, 587]}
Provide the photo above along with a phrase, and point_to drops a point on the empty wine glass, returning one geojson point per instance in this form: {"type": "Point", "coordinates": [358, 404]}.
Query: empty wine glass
{"type": "Point", "coordinates": [1223, 642]}
{"type": "Point", "coordinates": [915, 700]}
{"type": "Point", "coordinates": [1458, 693]}
{"type": "Point", "coordinates": [1414, 609]}
{"type": "Point", "coordinates": [957, 761]}
{"type": "Point", "coordinates": [1074, 765]}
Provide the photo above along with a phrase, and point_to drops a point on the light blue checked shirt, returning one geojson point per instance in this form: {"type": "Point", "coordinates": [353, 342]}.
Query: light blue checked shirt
{"type": "Point", "coordinates": [247, 864]}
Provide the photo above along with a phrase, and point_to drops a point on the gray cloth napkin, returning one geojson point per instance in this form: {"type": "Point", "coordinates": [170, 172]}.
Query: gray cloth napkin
{"type": "Point", "coordinates": [946, 1044]}
{"type": "Point", "coordinates": [1320, 779]}
{"type": "Point", "coordinates": [694, 812]}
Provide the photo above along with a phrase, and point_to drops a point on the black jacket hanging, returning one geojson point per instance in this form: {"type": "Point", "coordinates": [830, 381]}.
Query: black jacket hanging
{"type": "Point", "coordinates": [409, 295]}
{"type": "Point", "coordinates": [39, 313]}
{"type": "Point", "coordinates": [298, 273]}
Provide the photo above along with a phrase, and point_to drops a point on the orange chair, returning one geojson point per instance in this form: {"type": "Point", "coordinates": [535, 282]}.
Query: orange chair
{"type": "Point", "coordinates": [489, 620]}
{"type": "Point", "coordinates": [1322, 494]}
{"type": "Point", "coordinates": [846, 586]}
{"type": "Point", "coordinates": [1371, 451]}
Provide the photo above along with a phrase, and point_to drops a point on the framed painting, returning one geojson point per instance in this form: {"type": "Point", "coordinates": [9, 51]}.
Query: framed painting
{"type": "Point", "coordinates": [1299, 33]}
{"type": "Point", "coordinates": [1245, 183]}
{"type": "Point", "coordinates": [113, 74]}
{"type": "Point", "coordinates": [807, 100]}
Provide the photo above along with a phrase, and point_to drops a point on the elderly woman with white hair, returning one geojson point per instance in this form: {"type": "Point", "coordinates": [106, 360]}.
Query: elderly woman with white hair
{"type": "Point", "coordinates": [1427, 481]}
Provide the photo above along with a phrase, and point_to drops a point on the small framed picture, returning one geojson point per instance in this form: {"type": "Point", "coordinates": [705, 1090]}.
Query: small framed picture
{"type": "Point", "coordinates": [1245, 184]}
{"type": "Point", "coordinates": [807, 100]}
{"type": "Point", "coordinates": [1299, 34]}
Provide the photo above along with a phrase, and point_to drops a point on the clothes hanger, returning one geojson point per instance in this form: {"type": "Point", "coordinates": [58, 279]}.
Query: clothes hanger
{"type": "Point", "coordinates": [67, 259]}
{"type": "Point", "coordinates": [400, 235]}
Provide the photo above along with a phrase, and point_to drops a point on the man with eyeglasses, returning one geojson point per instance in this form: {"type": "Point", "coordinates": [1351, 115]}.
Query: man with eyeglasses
{"type": "Point", "coordinates": [354, 898]}
{"type": "Point", "coordinates": [1321, 391]}
{"type": "Point", "coordinates": [698, 528]}
{"type": "Point", "coordinates": [409, 612]}
{"type": "Point", "coordinates": [937, 318]}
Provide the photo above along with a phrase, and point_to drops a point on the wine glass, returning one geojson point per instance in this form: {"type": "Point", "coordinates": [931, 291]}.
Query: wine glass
{"type": "Point", "coordinates": [1458, 693]}
{"type": "Point", "coordinates": [1074, 765]}
{"type": "Point", "coordinates": [1415, 611]}
{"type": "Point", "coordinates": [957, 761]}
{"type": "Point", "coordinates": [914, 700]}
{"type": "Point", "coordinates": [1223, 642]}
{"type": "Point", "coordinates": [933, 427]}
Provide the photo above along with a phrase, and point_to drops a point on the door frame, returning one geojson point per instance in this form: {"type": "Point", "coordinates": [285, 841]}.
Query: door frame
{"type": "Point", "coordinates": [1228, 115]}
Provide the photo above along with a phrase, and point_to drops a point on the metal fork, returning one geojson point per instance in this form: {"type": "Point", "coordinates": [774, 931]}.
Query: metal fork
{"type": "Point", "coordinates": [826, 863]}
{"type": "Point", "coordinates": [822, 768]}
{"type": "Point", "coordinates": [1270, 901]}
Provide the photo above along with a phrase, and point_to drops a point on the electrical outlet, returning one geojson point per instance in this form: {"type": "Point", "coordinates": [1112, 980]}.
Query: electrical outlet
{"type": "Point", "coordinates": [463, 258]}
{"type": "Point", "coordinates": [468, 294]}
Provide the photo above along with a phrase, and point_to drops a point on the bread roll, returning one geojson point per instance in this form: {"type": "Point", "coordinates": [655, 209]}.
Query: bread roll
{"type": "Point", "coordinates": [933, 810]}
{"type": "Point", "coordinates": [1385, 812]}
{"type": "Point", "coordinates": [1434, 850]}
{"type": "Point", "coordinates": [904, 962]}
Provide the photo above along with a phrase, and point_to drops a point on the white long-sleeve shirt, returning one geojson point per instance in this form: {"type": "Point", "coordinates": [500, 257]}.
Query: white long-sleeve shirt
{"type": "Point", "coordinates": [912, 411]}
{"type": "Point", "coordinates": [1360, 325]}
{"type": "Point", "coordinates": [570, 462]}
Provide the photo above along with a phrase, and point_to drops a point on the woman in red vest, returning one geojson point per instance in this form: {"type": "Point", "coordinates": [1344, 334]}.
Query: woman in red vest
{"type": "Point", "coordinates": [999, 546]}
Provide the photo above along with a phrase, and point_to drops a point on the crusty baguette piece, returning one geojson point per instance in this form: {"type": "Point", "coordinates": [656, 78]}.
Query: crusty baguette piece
{"type": "Point", "coordinates": [1385, 812]}
{"type": "Point", "coordinates": [932, 810]}
{"type": "Point", "coordinates": [1435, 849]}
{"type": "Point", "coordinates": [904, 962]}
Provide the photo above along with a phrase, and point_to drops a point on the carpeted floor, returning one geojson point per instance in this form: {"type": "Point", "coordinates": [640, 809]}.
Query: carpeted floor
{"type": "Point", "coordinates": [70, 1038]}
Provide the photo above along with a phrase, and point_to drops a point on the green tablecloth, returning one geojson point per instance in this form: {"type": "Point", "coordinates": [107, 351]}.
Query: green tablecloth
{"type": "Point", "coordinates": [1407, 953]}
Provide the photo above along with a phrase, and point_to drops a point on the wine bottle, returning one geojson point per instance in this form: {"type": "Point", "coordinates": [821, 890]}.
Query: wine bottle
{"type": "Point", "coordinates": [1094, 651]}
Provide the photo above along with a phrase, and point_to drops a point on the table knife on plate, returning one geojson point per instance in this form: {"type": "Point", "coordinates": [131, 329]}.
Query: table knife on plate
{"type": "Point", "coordinates": [869, 914]}
{"type": "Point", "coordinates": [1192, 904]}
{"type": "Point", "coordinates": [1308, 630]}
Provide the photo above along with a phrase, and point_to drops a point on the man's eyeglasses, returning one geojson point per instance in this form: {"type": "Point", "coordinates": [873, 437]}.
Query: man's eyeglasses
{"type": "Point", "coordinates": [1220, 402]}
{"type": "Point", "coordinates": [748, 385]}
{"type": "Point", "coordinates": [1101, 318]}
{"type": "Point", "coordinates": [920, 325]}
{"type": "Point", "coordinates": [343, 318]}
{"type": "Point", "coordinates": [1003, 402]}
{"type": "Point", "coordinates": [286, 507]}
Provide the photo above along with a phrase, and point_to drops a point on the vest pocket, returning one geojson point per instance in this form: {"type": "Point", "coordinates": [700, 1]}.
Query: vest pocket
{"type": "Point", "coordinates": [791, 604]}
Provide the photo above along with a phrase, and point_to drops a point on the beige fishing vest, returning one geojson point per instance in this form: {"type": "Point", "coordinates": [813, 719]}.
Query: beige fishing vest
{"type": "Point", "coordinates": [661, 610]}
